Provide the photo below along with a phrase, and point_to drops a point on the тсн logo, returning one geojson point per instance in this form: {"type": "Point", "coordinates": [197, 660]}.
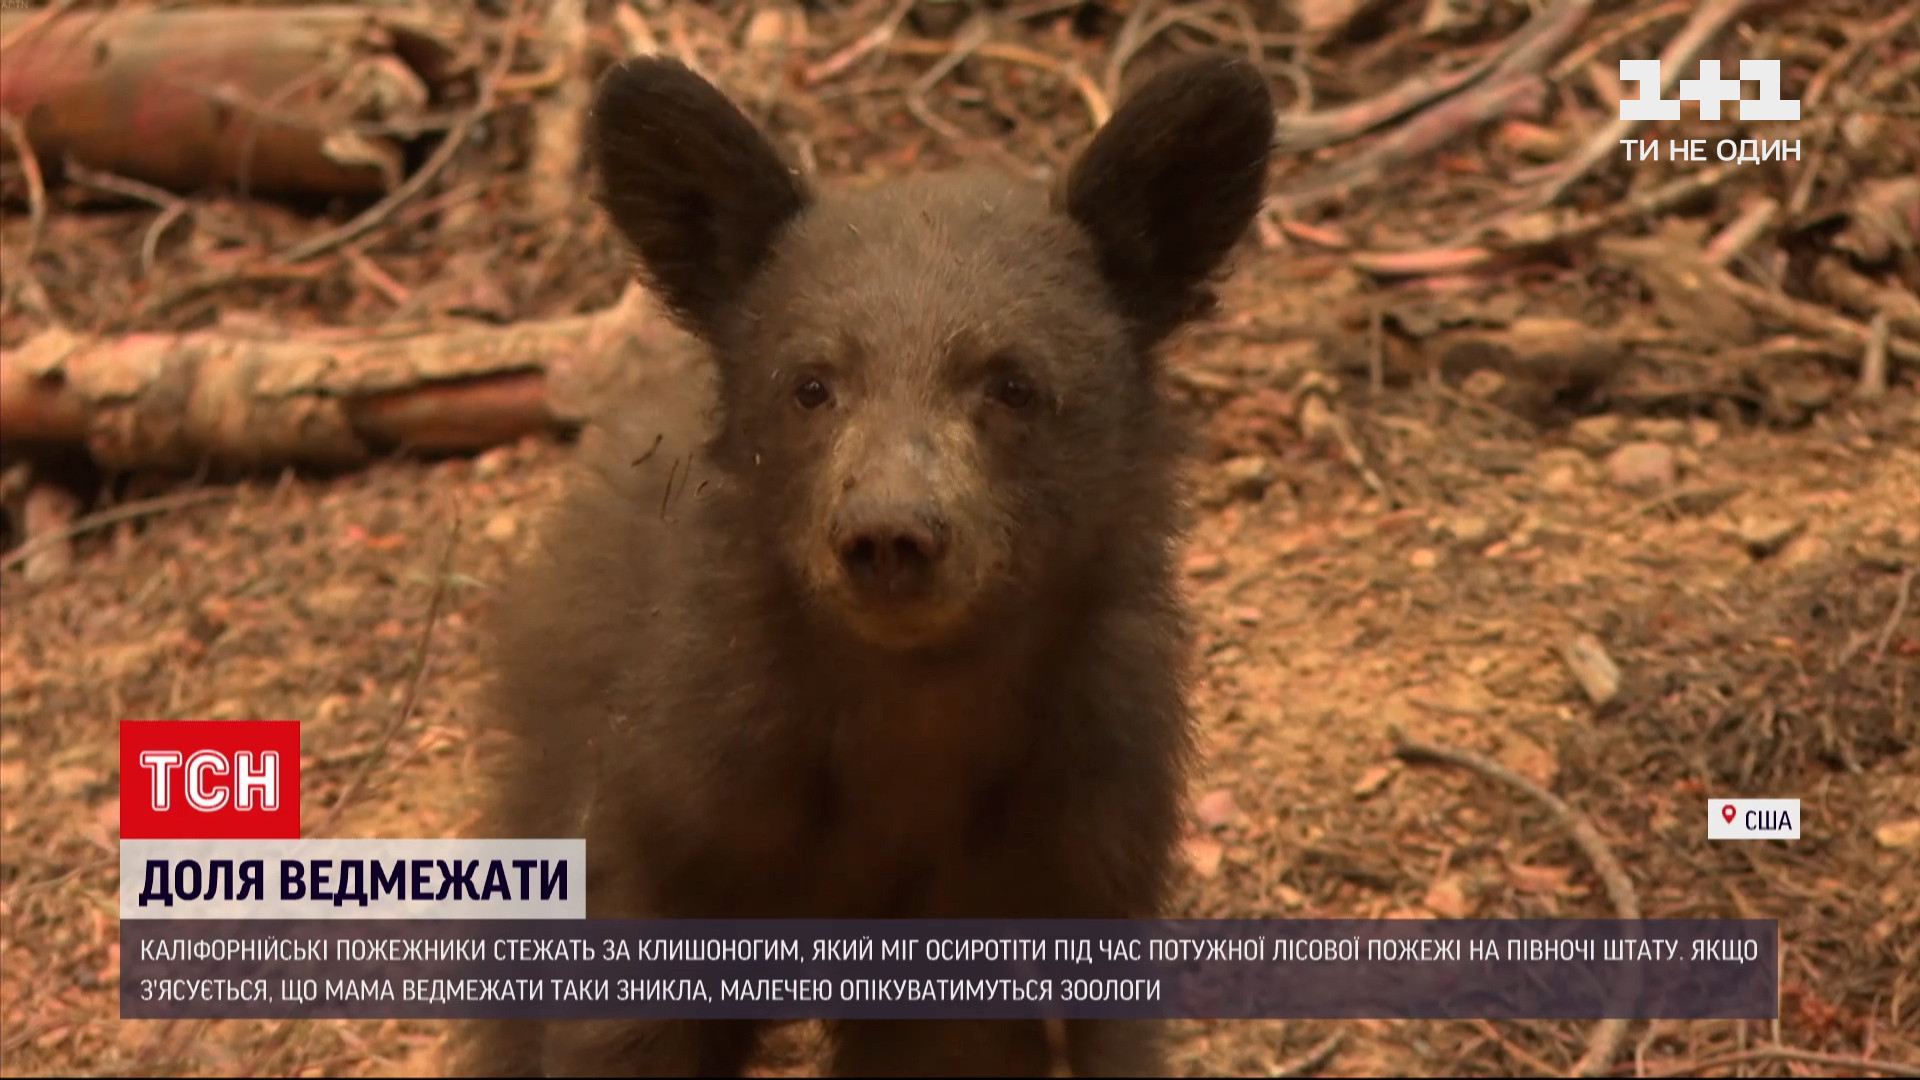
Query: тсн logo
{"type": "Point", "coordinates": [209, 779]}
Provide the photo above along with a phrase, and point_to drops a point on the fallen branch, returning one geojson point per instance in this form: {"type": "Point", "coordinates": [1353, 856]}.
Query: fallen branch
{"type": "Point", "coordinates": [1604, 1042]}
{"type": "Point", "coordinates": [177, 401]}
{"type": "Point", "coordinates": [272, 99]}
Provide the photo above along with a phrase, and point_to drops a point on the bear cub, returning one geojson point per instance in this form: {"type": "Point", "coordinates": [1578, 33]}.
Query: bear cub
{"type": "Point", "coordinates": [882, 620]}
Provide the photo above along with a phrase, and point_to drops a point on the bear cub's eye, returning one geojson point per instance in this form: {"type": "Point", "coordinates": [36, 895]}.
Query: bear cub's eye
{"type": "Point", "coordinates": [1012, 391]}
{"type": "Point", "coordinates": [811, 393]}
{"type": "Point", "coordinates": [1008, 384]}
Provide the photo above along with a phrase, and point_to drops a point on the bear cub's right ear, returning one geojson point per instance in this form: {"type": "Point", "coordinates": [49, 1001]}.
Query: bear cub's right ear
{"type": "Point", "coordinates": [692, 184]}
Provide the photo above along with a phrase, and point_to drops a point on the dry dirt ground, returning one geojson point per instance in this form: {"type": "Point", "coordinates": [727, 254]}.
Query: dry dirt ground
{"type": "Point", "coordinates": [1331, 616]}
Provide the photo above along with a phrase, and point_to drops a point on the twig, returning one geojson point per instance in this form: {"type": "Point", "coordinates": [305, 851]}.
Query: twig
{"type": "Point", "coordinates": [1598, 43]}
{"type": "Point", "coordinates": [161, 303]}
{"type": "Point", "coordinates": [172, 209]}
{"type": "Point", "coordinates": [1873, 363]}
{"type": "Point", "coordinates": [373, 760]}
{"type": "Point", "coordinates": [1856, 1065]}
{"type": "Point", "coordinates": [20, 892]}
{"type": "Point", "coordinates": [1860, 294]}
{"type": "Point", "coordinates": [1424, 262]}
{"type": "Point", "coordinates": [97, 521]}
{"type": "Point", "coordinates": [1377, 350]}
{"type": "Point", "coordinates": [1525, 1057]}
{"type": "Point", "coordinates": [1522, 54]}
{"type": "Point", "coordinates": [1898, 74]}
{"type": "Point", "coordinates": [1893, 620]}
{"type": "Point", "coordinates": [1754, 219]}
{"type": "Point", "coordinates": [1604, 1041]}
{"type": "Point", "coordinates": [534, 82]}
{"type": "Point", "coordinates": [150, 243]}
{"type": "Point", "coordinates": [25, 1034]}
{"type": "Point", "coordinates": [1527, 52]}
{"type": "Point", "coordinates": [1714, 493]}
{"type": "Point", "coordinates": [1257, 55]}
{"type": "Point", "coordinates": [1801, 315]}
{"type": "Point", "coordinates": [1544, 227]}
{"type": "Point", "coordinates": [1437, 125]}
{"type": "Point", "coordinates": [1445, 709]}
{"type": "Point", "coordinates": [36, 184]}
{"type": "Point", "coordinates": [1135, 36]}
{"type": "Point", "coordinates": [1884, 30]}
{"type": "Point", "coordinates": [1322, 235]}
{"type": "Point", "coordinates": [971, 37]}
{"type": "Point", "coordinates": [1311, 131]}
{"type": "Point", "coordinates": [1321, 1053]}
{"type": "Point", "coordinates": [1128, 41]}
{"type": "Point", "coordinates": [1038, 9]}
{"type": "Point", "coordinates": [1540, 229]}
{"type": "Point", "coordinates": [635, 34]}
{"type": "Point", "coordinates": [34, 25]}
{"type": "Point", "coordinates": [1096, 100]}
{"type": "Point", "coordinates": [381, 281]}
{"type": "Point", "coordinates": [876, 37]}
{"type": "Point", "coordinates": [1707, 21]}
{"type": "Point", "coordinates": [441, 157]}
{"type": "Point", "coordinates": [1333, 424]}
{"type": "Point", "coordinates": [683, 48]}
{"type": "Point", "coordinates": [1803, 185]}
{"type": "Point", "coordinates": [141, 191]}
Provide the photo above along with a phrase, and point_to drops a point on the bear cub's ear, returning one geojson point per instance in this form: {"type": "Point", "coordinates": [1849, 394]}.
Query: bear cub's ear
{"type": "Point", "coordinates": [1171, 183]}
{"type": "Point", "coordinates": [692, 184]}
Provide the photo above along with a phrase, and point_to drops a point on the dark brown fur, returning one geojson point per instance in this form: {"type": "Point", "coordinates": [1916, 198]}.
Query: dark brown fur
{"type": "Point", "coordinates": [907, 641]}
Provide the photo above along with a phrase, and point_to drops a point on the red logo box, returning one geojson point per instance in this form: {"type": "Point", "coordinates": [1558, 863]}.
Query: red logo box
{"type": "Point", "coordinates": [209, 779]}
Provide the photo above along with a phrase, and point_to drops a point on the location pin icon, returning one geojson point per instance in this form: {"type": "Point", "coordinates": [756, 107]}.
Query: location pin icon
{"type": "Point", "coordinates": [1727, 813]}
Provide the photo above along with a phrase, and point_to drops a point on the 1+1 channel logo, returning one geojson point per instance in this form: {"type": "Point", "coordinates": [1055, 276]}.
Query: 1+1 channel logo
{"type": "Point", "coordinates": [1710, 90]}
